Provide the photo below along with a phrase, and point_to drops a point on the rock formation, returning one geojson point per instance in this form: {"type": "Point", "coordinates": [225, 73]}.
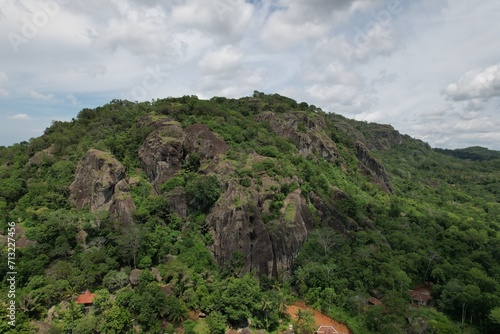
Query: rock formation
{"type": "Point", "coordinates": [371, 166]}
{"type": "Point", "coordinates": [239, 231]}
{"type": "Point", "coordinates": [100, 185]}
{"type": "Point", "coordinates": [167, 146]}
{"type": "Point", "coordinates": [309, 140]}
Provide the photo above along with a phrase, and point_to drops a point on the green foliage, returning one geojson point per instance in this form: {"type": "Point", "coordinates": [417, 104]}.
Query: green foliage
{"type": "Point", "coordinates": [305, 323]}
{"type": "Point", "coordinates": [440, 224]}
{"type": "Point", "coordinates": [202, 192]}
{"type": "Point", "coordinates": [216, 323]}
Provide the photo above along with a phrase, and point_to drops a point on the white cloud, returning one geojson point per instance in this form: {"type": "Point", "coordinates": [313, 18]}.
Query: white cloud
{"type": "Point", "coordinates": [296, 21]}
{"type": "Point", "coordinates": [225, 59]}
{"type": "Point", "coordinates": [20, 117]}
{"type": "Point", "coordinates": [220, 19]}
{"type": "Point", "coordinates": [71, 98]}
{"type": "Point", "coordinates": [41, 96]}
{"type": "Point", "coordinates": [475, 85]}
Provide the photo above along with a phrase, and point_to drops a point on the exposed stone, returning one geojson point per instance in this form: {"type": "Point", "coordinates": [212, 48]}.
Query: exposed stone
{"type": "Point", "coordinates": [269, 248]}
{"type": "Point", "coordinates": [177, 201]}
{"type": "Point", "coordinates": [134, 277]}
{"type": "Point", "coordinates": [42, 156]}
{"type": "Point", "coordinates": [200, 139]}
{"type": "Point", "coordinates": [308, 141]}
{"type": "Point", "coordinates": [328, 213]}
{"type": "Point", "coordinates": [100, 185]}
{"type": "Point", "coordinates": [162, 153]}
{"type": "Point", "coordinates": [156, 274]}
{"type": "Point", "coordinates": [166, 147]}
{"type": "Point", "coordinates": [383, 137]}
{"type": "Point", "coordinates": [122, 207]}
{"type": "Point", "coordinates": [371, 166]}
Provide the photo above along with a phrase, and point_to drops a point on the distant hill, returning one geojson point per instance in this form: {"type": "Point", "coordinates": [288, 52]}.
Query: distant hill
{"type": "Point", "coordinates": [476, 153]}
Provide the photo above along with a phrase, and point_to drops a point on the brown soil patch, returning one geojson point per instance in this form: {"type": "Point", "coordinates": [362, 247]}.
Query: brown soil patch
{"type": "Point", "coordinates": [321, 319]}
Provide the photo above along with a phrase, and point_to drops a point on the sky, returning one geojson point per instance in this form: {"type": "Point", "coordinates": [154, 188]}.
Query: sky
{"type": "Point", "coordinates": [430, 68]}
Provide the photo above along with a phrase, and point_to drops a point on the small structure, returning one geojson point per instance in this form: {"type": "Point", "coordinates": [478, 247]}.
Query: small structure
{"type": "Point", "coordinates": [420, 297]}
{"type": "Point", "coordinates": [326, 330]}
{"type": "Point", "coordinates": [86, 298]}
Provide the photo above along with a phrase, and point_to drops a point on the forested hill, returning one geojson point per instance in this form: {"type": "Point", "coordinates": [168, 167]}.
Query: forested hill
{"type": "Point", "coordinates": [239, 207]}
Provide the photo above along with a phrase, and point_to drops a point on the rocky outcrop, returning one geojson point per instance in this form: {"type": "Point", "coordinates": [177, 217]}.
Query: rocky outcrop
{"type": "Point", "coordinates": [168, 145]}
{"type": "Point", "coordinates": [328, 213]}
{"type": "Point", "coordinates": [100, 185]}
{"type": "Point", "coordinates": [241, 236]}
{"type": "Point", "coordinates": [383, 137]}
{"type": "Point", "coordinates": [134, 276]}
{"type": "Point", "coordinates": [371, 166]}
{"type": "Point", "coordinates": [177, 201]}
{"type": "Point", "coordinates": [43, 156]}
{"type": "Point", "coordinates": [308, 141]}
{"type": "Point", "coordinates": [162, 153]}
{"type": "Point", "coordinates": [201, 140]}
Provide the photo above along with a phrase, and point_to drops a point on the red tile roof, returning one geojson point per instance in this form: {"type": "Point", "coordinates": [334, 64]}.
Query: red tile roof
{"type": "Point", "coordinates": [421, 296]}
{"type": "Point", "coordinates": [85, 298]}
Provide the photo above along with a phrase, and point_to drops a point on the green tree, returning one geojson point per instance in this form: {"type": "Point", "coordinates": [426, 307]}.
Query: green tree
{"type": "Point", "coordinates": [216, 323]}
{"type": "Point", "coordinates": [305, 323]}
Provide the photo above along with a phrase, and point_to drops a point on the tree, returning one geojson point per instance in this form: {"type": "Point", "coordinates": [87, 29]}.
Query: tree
{"type": "Point", "coordinates": [202, 192]}
{"type": "Point", "coordinates": [216, 323]}
{"type": "Point", "coordinates": [328, 238]}
{"type": "Point", "coordinates": [305, 323]}
{"type": "Point", "coordinates": [115, 320]}
{"type": "Point", "coordinates": [176, 311]}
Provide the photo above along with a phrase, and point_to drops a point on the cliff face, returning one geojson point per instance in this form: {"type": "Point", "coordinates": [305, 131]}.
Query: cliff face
{"type": "Point", "coordinates": [241, 237]}
{"type": "Point", "coordinates": [162, 152]}
{"type": "Point", "coordinates": [100, 185]}
{"type": "Point", "coordinates": [373, 167]}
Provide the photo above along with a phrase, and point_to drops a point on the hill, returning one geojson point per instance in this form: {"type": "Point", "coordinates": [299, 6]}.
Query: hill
{"type": "Point", "coordinates": [238, 207]}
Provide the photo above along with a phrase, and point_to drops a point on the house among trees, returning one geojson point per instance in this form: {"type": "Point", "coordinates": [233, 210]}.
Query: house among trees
{"type": "Point", "coordinates": [421, 296]}
{"type": "Point", "coordinates": [86, 298]}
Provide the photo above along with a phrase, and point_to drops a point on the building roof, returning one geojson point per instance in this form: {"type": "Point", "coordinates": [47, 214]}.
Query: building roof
{"type": "Point", "coordinates": [85, 298]}
{"type": "Point", "coordinates": [421, 296]}
{"type": "Point", "coordinates": [326, 330]}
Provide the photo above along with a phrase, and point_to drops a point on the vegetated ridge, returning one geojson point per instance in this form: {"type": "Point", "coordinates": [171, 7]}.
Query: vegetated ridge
{"type": "Point", "coordinates": [238, 207]}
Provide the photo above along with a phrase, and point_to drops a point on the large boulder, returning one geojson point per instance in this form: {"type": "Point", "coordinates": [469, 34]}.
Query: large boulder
{"type": "Point", "coordinates": [100, 185]}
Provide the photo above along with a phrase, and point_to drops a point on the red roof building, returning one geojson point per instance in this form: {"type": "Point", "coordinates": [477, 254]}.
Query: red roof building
{"type": "Point", "coordinates": [85, 298]}
{"type": "Point", "coordinates": [420, 296]}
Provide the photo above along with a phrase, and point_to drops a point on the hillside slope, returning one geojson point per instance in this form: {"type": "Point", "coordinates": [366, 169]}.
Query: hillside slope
{"type": "Point", "coordinates": [236, 206]}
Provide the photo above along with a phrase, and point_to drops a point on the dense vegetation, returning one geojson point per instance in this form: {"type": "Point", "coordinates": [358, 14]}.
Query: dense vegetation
{"type": "Point", "coordinates": [440, 226]}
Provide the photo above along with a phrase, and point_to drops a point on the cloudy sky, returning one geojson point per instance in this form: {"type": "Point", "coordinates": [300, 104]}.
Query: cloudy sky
{"type": "Point", "coordinates": [431, 68]}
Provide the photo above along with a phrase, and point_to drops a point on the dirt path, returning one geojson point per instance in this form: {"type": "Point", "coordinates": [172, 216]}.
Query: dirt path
{"type": "Point", "coordinates": [321, 319]}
